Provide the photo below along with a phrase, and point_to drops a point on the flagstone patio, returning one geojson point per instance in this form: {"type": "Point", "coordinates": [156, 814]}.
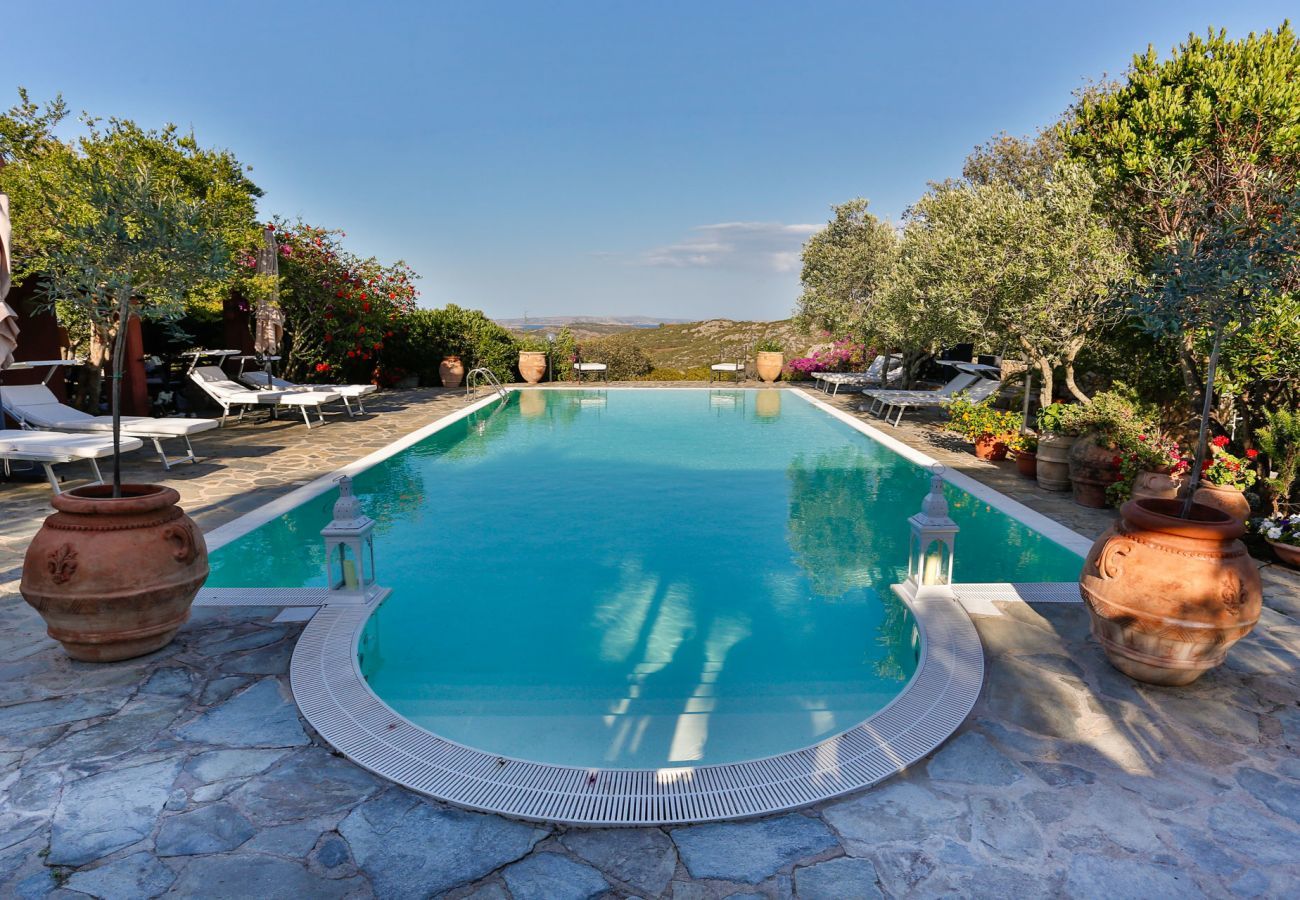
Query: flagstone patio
{"type": "Point", "coordinates": [190, 773]}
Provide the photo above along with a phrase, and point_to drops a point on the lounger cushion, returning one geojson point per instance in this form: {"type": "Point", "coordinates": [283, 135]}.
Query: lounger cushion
{"type": "Point", "coordinates": [54, 444]}
{"type": "Point", "coordinates": [307, 398]}
{"type": "Point", "coordinates": [590, 367]}
{"type": "Point", "coordinates": [727, 367]}
{"type": "Point", "coordinates": [213, 380]}
{"type": "Point", "coordinates": [37, 405]}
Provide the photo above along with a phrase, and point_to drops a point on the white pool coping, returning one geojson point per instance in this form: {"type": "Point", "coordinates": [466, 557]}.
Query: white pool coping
{"type": "Point", "coordinates": [335, 699]}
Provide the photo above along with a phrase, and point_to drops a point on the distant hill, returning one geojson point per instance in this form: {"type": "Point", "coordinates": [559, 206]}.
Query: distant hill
{"type": "Point", "coordinates": [682, 345]}
{"type": "Point", "coordinates": [535, 323]}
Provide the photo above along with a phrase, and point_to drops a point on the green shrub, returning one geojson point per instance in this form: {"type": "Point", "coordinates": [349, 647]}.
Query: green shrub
{"type": "Point", "coordinates": [425, 336]}
{"type": "Point", "coordinates": [626, 361]}
{"type": "Point", "coordinates": [1280, 441]}
{"type": "Point", "coordinates": [768, 345]}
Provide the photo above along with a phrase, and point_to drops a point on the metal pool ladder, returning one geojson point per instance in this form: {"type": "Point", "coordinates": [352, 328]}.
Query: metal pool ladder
{"type": "Point", "coordinates": [485, 375]}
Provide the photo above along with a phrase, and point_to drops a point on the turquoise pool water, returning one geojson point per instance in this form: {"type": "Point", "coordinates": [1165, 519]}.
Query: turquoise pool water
{"type": "Point", "coordinates": [648, 578]}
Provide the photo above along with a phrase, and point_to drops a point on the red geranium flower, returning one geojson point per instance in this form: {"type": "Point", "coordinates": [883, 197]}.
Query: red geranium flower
{"type": "Point", "coordinates": [1251, 454]}
{"type": "Point", "coordinates": [1220, 441]}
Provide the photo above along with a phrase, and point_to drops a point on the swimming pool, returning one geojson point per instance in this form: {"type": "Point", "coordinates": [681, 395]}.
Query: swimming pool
{"type": "Point", "coordinates": [641, 578]}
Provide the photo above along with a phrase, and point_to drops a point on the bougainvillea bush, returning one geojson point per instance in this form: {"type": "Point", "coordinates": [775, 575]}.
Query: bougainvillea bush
{"type": "Point", "coordinates": [842, 356]}
{"type": "Point", "coordinates": [339, 308]}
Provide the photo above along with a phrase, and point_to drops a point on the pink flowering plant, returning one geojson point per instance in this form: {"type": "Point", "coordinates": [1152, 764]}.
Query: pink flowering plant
{"type": "Point", "coordinates": [844, 355]}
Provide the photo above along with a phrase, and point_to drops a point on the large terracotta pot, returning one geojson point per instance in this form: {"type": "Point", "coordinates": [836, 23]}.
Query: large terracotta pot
{"type": "Point", "coordinates": [1288, 553]}
{"type": "Point", "coordinates": [1092, 470]}
{"type": "Point", "coordinates": [532, 365]}
{"type": "Point", "coordinates": [1228, 499]}
{"type": "Point", "coordinates": [1168, 596]}
{"type": "Point", "coordinates": [1054, 461]}
{"type": "Point", "coordinates": [1155, 486]}
{"type": "Point", "coordinates": [452, 371]}
{"type": "Point", "coordinates": [114, 578]}
{"type": "Point", "coordinates": [768, 363]}
{"type": "Point", "coordinates": [1027, 463]}
{"type": "Point", "coordinates": [992, 447]}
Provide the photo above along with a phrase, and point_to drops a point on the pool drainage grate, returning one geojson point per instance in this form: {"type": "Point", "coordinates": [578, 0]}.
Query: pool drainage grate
{"type": "Point", "coordinates": [334, 697]}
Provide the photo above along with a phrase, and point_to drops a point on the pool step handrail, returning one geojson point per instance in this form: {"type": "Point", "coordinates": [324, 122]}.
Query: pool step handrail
{"type": "Point", "coordinates": [486, 376]}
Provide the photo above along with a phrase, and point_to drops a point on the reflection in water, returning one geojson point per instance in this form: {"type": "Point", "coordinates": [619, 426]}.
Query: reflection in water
{"type": "Point", "coordinates": [723, 401]}
{"type": "Point", "coordinates": [767, 405]}
{"type": "Point", "coordinates": [532, 403]}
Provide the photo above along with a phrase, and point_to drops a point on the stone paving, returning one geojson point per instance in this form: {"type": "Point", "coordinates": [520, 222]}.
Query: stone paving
{"type": "Point", "coordinates": [189, 772]}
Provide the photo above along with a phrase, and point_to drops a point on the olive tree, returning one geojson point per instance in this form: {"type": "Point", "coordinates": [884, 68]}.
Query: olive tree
{"type": "Point", "coordinates": [845, 266]}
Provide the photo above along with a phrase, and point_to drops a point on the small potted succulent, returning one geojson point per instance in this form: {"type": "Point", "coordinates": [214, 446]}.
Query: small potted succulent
{"type": "Point", "coordinates": [1025, 447]}
{"type": "Point", "coordinates": [993, 431]}
{"type": "Point", "coordinates": [769, 359]}
{"type": "Point", "coordinates": [1283, 535]}
{"type": "Point", "coordinates": [1225, 478]}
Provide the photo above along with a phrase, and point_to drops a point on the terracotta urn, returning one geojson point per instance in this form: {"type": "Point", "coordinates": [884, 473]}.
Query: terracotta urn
{"type": "Point", "coordinates": [1287, 553]}
{"type": "Point", "coordinates": [1054, 461]}
{"type": "Point", "coordinates": [1229, 499]}
{"type": "Point", "coordinates": [532, 365]}
{"type": "Point", "coordinates": [1027, 463]}
{"type": "Point", "coordinates": [1169, 596]}
{"type": "Point", "coordinates": [992, 447]}
{"type": "Point", "coordinates": [1092, 469]}
{"type": "Point", "coordinates": [114, 578]}
{"type": "Point", "coordinates": [1155, 486]}
{"type": "Point", "coordinates": [452, 371]}
{"type": "Point", "coordinates": [768, 363]}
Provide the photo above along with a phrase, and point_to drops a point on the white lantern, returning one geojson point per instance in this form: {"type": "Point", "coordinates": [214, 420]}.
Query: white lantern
{"type": "Point", "coordinates": [930, 554]}
{"type": "Point", "coordinates": [349, 550]}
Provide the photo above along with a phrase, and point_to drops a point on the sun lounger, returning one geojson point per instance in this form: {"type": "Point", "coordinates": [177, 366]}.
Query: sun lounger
{"type": "Point", "coordinates": [35, 406]}
{"type": "Point", "coordinates": [48, 448]}
{"type": "Point", "coordinates": [831, 382]}
{"type": "Point", "coordinates": [347, 392]}
{"type": "Point", "coordinates": [976, 389]}
{"type": "Point", "coordinates": [230, 395]}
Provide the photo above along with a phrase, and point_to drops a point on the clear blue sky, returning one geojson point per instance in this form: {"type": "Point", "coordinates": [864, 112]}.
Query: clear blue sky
{"type": "Point", "coordinates": [625, 158]}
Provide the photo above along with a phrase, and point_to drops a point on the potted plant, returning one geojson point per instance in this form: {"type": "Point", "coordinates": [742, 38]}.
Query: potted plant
{"type": "Point", "coordinates": [1283, 535]}
{"type": "Point", "coordinates": [1170, 587]}
{"type": "Point", "coordinates": [1054, 443]}
{"type": "Point", "coordinates": [533, 360]}
{"type": "Point", "coordinates": [114, 570]}
{"type": "Point", "coordinates": [1025, 446]}
{"type": "Point", "coordinates": [1224, 480]}
{"type": "Point", "coordinates": [1280, 441]}
{"type": "Point", "coordinates": [1104, 425]}
{"type": "Point", "coordinates": [991, 430]}
{"type": "Point", "coordinates": [1151, 468]}
{"type": "Point", "coordinates": [768, 359]}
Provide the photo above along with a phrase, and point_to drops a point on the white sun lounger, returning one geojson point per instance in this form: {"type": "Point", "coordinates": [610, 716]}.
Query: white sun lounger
{"type": "Point", "coordinates": [230, 395]}
{"type": "Point", "coordinates": [48, 448]}
{"type": "Point", "coordinates": [884, 402]}
{"type": "Point", "coordinates": [831, 382]}
{"type": "Point", "coordinates": [35, 406]}
{"type": "Point", "coordinates": [345, 391]}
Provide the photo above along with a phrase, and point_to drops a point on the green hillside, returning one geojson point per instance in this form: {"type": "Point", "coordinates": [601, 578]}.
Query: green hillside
{"type": "Point", "coordinates": [682, 346]}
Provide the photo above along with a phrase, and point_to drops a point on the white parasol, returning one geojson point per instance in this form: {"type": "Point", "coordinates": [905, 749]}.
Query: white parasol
{"type": "Point", "coordinates": [268, 318]}
{"type": "Point", "coordinates": [8, 318]}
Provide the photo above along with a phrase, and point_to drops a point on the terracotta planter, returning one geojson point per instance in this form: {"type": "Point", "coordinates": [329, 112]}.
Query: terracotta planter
{"type": "Point", "coordinates": [532, 365]}
{"type": "Point", "coordinates": [1288, 553]}
{"type": "Point", "coordinates": [1168, 596]}
{"type": "Point", "coordinates": [114, 578]}
{"type": "Point", "coordinates": [992, 447]}
{"type": "Point", "coordinates": [1027, 463]}
{"type": "Point", "coordinates": [1155, 486]}
{"type": "Point", "coordinates": [1092, 470]}
{"type": "Point", "coordinates": [1054, 461]}
{"type": "Point", "coordinates": [1230, 500]}
{"type": "Point", "coordinates": [768, 363]}
{"type": "Point", "coordinates": [452, 371]}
